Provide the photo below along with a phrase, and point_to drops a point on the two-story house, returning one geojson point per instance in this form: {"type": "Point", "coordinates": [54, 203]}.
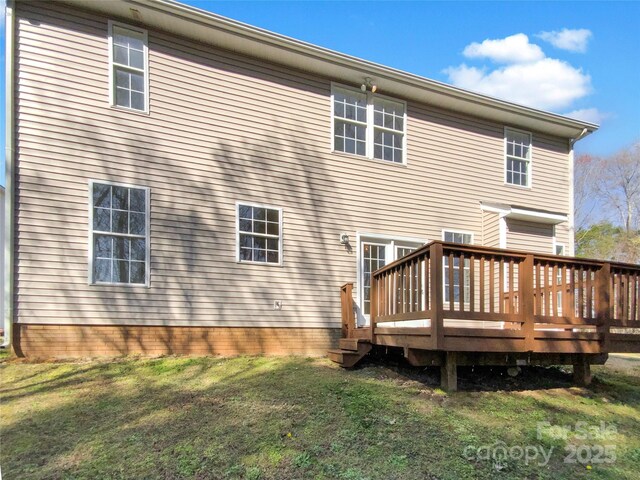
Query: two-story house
{"type": "Point", "coordinates": [179, 182]}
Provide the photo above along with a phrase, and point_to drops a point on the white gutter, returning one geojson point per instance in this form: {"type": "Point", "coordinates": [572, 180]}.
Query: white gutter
{"type": "Point", "coordinates": [9, 180]}
{"type": "Point", "coordinates": [225, 33]}
{"type": "Point", "coordinates": [305, 48]}
{"type": "Point", "coordinates": [579, 137]}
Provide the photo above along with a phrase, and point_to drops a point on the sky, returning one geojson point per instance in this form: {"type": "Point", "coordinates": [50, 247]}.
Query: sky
{"type": "Point", "coordinates": [576, 58]}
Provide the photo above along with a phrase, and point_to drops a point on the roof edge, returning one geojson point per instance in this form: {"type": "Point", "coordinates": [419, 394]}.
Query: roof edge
{"type": "Point", "coordinates": [308, 51]}
{"type": "Point", "coordinates": [327, 54]}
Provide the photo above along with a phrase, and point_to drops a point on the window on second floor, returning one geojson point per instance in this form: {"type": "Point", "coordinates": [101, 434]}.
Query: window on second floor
{"type": "Point", "coordinates": [368, 125]}
{"type": "Point", "coordinates": [518, 158]}
{"type": "Point", "coordinates": [128, 67]}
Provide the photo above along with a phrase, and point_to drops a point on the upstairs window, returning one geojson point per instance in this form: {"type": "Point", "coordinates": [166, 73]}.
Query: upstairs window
{"type": "Point", "coordinates": [128, 67]}
{"type": "Point", "coordinates": [388, 130]}
{"type": "Point", "coordinates": [350, 122]}
{"type": "Point", "coordinates": [368, 125]}
{"type": "Point", "coordinates": [518, 158]}
{"type": "Point", "coordinates": [259, 234]}
{"type": "Point", "coordinates": [119, 243]}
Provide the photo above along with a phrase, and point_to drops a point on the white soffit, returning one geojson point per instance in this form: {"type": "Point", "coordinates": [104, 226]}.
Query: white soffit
{"type": "Point", "coordinates": [222, 32]}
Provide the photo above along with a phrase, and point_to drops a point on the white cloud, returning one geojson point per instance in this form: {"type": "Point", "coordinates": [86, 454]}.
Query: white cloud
{"type": "Point", "coordinates": [567, 39]}
{"type": "Point", "coordinates": [591, 115]}
{"type": "Point", "coordinates": [547, 84]}
{"type": "Point", "coordinates": [527, 77]}
{"type": "Point", "coordinates": [513, 49]}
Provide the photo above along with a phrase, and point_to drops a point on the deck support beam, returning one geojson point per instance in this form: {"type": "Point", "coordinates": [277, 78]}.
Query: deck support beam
{"type": "Point", "coordinates": [449, 373]}
{"type": "Point", "coordinates": [423, 358]}
{"type": "Point", "coordinates": [582, 371]}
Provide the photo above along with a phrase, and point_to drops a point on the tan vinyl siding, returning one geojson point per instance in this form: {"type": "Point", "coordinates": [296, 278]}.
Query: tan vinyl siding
{"type": "Point", "coordinates": [562, 235]}
{"type": "Point", "coordinates": [224, 128]}
{"type": "Point", "coordinates": [530, 236]}
{"type": "Point", "coordinates": [490, 230]}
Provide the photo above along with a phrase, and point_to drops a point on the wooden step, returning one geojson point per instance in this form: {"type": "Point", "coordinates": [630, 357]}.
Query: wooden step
{"type": "Point", "coordinates": [348, 344]}
{"type": "Point", "coordinates": [349, 358]}
{"type": "Point", "coordinates": [337, 355]}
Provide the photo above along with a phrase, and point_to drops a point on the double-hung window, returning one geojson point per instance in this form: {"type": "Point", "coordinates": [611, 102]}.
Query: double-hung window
{"type": "Point", "coordinates": [368, 125]}
{"type": "Point", "coordinates": [128, 67]}
{"type": "Point", "coordinates": [350, 122]}
{"type": "Point", "coordinates": [518, 158]}
{"type": "Point", "coordinates": [119, 238]}
{"type": "Point", "coordinates": [461, 273]}
{"type": "Point", "coordinates": [259, 234]}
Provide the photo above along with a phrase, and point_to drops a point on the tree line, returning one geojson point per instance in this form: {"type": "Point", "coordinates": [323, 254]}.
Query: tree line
{"type": "Point", "coordinates": [607, 205]}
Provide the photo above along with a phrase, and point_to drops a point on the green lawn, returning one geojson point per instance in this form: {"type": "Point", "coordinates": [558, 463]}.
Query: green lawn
{"type": "Point", "coordinates": [288, 418]}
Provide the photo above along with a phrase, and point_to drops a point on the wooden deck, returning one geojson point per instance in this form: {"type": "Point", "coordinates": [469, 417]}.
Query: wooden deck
{"type": "Point", "coordinates": [524, 307]}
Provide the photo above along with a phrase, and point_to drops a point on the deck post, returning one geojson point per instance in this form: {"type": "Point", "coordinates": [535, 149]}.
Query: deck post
{"type": "Point", "coordinates": [526, 288]}
{"type": "Point", "coordinates": [436, 268]}
{"type": "Point", "coordinates": [582, 371]}
{"type": "Point", "coordinates": [373, 307]}
{"type": "Point", "coordinates": [348, 318]}
{"type": "Point", "coordinates": [603, 305]}
{"type": "Point", "coordinates": [449, 373]}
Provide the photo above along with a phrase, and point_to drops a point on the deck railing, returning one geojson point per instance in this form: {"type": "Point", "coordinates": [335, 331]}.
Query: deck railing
{"type": "Point", "coordinates": [457, 297]}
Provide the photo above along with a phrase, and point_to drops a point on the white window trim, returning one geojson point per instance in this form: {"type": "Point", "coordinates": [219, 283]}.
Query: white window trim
{"type": "Point", "coordinates": [280, 235]}
{"type": "Point", "coordinates": [112, 86]}
{"type": "Point", "coordinates": [147, 227]}
{"type": "Point", "coordinates": [464, 232]}
{"type": "Point", "coordinates": [559, 244]}
{"type": "Point", "coordinates": [370, 125]}
{"type": "Point", "coordinates": [529, 163]}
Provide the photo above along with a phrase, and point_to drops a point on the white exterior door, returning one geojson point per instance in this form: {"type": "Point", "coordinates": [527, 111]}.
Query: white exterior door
{"type": "Point", "coordinates": [375, 253]}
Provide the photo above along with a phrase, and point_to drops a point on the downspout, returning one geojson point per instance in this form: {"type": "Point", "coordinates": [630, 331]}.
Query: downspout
{"type": "Point", "coordinates": [9, 179]}
{"type": "Point", "coordinates": [572, 206]}
{"type": "Point", "coordinates": [579, 137]}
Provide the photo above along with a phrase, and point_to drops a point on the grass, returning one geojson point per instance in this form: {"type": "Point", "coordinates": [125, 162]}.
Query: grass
{"type": "Point", "coordinates": [304, 418]}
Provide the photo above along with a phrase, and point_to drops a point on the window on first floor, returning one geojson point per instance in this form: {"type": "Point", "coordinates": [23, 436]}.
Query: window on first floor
{"type": "Point", "coordinates": [459, 272]}
{"type": "Point", "coordinates": [119, 238]}
{"type": "Point", "coordinates": [128, 67]}
{"type": "Point", "coordinates": [259, 234]}
{"type": "Point", "coordinates": [518, 158]}
{"type": "Point", "coordinates": [368, 125]}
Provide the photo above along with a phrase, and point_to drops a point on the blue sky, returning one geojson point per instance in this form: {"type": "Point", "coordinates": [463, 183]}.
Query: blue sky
{"type": "Point", "coordinates": [567, 57]}
{"type": "Point", "coordinates": [592, 71]}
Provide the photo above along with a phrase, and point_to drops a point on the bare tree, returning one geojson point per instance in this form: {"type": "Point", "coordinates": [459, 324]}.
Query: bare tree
{"type": "Point", "coordinates": [617, 183]}
{"type": "Point", "coordinates": [607, 205]}
{"type": "Point", "coordinates": [584, 188]}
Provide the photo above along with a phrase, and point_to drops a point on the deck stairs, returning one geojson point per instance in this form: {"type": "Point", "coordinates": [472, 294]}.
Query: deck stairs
{"type": "Point", "coordinates": [351, 351]}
